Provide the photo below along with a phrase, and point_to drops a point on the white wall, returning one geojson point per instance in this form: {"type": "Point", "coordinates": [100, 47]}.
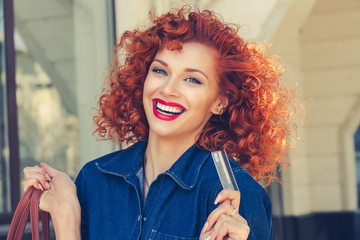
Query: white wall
{"type": "Point", "coordinates": [92, 58]}
{"type": "Point", "coordinates": [330, 41]}
{"type": "Point", "coordinates": [319, 42]}
{"type": "Point", "coordinates": [286, 44]}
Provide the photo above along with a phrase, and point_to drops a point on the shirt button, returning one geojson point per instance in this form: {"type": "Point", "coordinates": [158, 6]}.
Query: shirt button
{"type": "Point", "coordinates": [139, 218]}
{"type": "Point", "coordinates": [144, 219]}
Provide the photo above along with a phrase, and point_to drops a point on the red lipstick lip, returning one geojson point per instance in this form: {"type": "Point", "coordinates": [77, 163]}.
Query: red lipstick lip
{"type": "Point", "coordinates": [170, 104]}
{"type": "Point", "coordinates": [163, 116]}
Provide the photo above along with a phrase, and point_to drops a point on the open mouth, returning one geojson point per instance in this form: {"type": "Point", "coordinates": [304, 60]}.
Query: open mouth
{"type": "Point", "coordinates": [166, 110]}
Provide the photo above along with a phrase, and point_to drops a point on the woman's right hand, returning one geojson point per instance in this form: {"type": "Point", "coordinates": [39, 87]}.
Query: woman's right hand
{"type": "Point", "coordinates": [59, 198]}
{"type": "Point", "coordinates": [58, 187]}
{"type": "Point", "coordinates": [36, 177]}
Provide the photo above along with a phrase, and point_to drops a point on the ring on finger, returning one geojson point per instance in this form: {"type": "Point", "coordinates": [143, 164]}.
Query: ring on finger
{"type": "Point", "coordinates": [235, 210]}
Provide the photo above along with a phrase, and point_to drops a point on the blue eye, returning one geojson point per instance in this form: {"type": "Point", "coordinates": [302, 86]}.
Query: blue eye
{"type": "Point", "coordinates": [160, 71]}
{"type": "Point", "coordinates": [192, 80]}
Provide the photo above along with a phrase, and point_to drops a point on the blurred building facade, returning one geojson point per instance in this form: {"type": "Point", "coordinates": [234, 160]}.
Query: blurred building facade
{"type": "Point", "coordinates": [52, 74]}
{"type": "Point", "coordinates": [320, 44]}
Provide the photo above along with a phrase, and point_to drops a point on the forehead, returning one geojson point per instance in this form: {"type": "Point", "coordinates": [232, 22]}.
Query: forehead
{"type": "Point", "coordinates": [192, 55]}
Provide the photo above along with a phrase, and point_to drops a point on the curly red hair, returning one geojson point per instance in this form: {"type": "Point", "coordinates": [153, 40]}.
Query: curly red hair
{"type": "Point", "coordinates": [254, 126]}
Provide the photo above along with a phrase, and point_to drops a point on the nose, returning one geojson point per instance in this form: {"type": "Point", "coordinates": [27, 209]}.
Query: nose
{"type": "Point", "coordinates": [170, 88]}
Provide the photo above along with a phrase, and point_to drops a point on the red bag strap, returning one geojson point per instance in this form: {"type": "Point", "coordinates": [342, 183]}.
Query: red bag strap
{"type": "Point", "coordinates": [34, 217]}
{"type": "Point", "coordinates": [45, 225]}
{"type": "Point", "coordinates": [29, 204]}
{"type": "Point", "coordinates": [20, 216]}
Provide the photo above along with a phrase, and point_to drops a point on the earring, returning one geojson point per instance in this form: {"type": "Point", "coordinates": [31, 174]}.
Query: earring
{"type": "Point", "coordinates": [221, 111]}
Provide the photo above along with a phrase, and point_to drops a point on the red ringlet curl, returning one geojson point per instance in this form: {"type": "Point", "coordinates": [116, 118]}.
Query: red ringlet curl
{"type": "Point", "coordinates": [254, 126]}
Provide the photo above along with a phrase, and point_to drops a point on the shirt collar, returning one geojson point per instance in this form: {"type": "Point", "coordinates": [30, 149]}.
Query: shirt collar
{"type": "Point", "coordinates": [184, 171]}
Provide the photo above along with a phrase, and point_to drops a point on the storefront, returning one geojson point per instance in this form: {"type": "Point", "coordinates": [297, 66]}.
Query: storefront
{"type": "Point", "coordinates": [55, 54]}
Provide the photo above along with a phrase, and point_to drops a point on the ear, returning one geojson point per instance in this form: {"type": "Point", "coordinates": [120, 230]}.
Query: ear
{"type": "Point", "coordinates": [220, 105]}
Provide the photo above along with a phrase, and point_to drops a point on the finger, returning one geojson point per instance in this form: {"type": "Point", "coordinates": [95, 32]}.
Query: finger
{"type": "Point", "coordinates": [205, 236]}
{"type": "Point", "coordinates": [36, 169]}
{"type": "Point", "coordinates": [32, 183]}
{"type": "Point", "coordinates": [242, 220]}
{"type": "Point", "coordinates": [205, 227]}
{"type": "Point", "coordinates": [228, 194]}
{"type": "Point", "coordinates": [228, 225]}
{"type": "Point", "coordinates": [224, 208]}
{"type": "Point", "coordinates": [30, 175]}
{"type": "Point", "coordinates": [222, 231]}
{"type": "Point", "coordinates": [234, 212]}
{"type": "Point", "coordinates": [39, 177]}
{"type": "Point", "coordinates": [221, 228]}
{"type": "Point", "coordinates": [51, 171]}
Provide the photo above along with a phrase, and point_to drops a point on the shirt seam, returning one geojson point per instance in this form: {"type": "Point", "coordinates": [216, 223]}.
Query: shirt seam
{"type": "Point", "coordinates": [151, 209]}
{"type": "Point", "coordinates": [111, 172]}
{"type": "Point", "coordinates": [181, 182]}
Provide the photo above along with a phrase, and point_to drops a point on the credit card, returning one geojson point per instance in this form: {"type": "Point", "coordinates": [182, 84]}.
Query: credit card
{"type": "Point", "coordinates": [224, 170]}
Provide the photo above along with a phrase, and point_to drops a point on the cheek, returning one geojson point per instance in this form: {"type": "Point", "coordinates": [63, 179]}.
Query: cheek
{"type": "Point", "coordinates": [147, 87]}
{"type": "Point", "coordinates": [150, 85]}
{"type": "Point", "coordinates": [145, 94]}
{"type": "Point", "coordinates": [203, 105]}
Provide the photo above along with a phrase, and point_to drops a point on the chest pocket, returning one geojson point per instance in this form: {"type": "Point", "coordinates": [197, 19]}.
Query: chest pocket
{"type": "Point", "coordinates": [155, 235]}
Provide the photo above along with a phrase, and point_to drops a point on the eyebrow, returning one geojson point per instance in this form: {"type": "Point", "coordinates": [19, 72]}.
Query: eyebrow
{"type": "Point", "coordinates": [186, 69]}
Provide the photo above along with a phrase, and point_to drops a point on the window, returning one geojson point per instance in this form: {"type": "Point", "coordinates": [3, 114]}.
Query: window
{"type": "Point", "coordinates": [5, 205]}
{"type": "Point", "coordinates": [357, 156]}
{"type": "Point", "coordinates": [53, 58]}
{"type": "Point", "coordinates": [46, 86]}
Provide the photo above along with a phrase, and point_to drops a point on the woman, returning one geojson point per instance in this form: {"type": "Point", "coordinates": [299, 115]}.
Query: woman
{"type": "Point", "coordinates": [186, 86]}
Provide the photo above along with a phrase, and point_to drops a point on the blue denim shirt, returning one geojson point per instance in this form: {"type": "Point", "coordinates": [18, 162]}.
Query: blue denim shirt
{"type": "Point", "coordinates": [177, 204]}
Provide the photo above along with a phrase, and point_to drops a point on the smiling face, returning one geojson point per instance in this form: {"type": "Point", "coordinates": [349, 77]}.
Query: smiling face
{"type": "Point", "coordinates": [181, 91]}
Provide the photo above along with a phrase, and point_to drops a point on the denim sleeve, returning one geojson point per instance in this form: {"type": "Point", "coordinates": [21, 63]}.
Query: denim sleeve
{"type": "Point", "coordinates": [255, 205]}
{"type": "Point", "coordinates": [81, 187]}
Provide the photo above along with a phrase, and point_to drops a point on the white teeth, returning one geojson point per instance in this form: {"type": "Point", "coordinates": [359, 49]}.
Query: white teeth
{"type": "Point", "coordinates": [168, 108]}
{"type": "Point", "coordinates": [172, 109]}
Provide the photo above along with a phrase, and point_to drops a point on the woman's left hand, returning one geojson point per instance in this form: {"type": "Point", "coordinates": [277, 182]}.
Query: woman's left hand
{"type": "Point", "coordinates": [225, 221]}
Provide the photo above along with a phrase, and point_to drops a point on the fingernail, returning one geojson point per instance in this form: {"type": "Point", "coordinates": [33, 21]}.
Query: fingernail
{"type": "Point", "coordinates": [205, 227]}
{"type": "Point", "coordinates": [209, 237]}
{"type": "Point", "coordinates": [217, 199]}
{"type": "Point", "coordinates": [47, 176]}
{"type": "Point", "coordinates": [47, 185]}
{"type": "Point", "coordinates": [42, 189]}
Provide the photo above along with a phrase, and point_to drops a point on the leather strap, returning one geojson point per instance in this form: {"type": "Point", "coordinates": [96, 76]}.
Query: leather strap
{"type": "Point", "coordinates": [20, 216]}
{"type": "Point", "coordinates": [29, 204]}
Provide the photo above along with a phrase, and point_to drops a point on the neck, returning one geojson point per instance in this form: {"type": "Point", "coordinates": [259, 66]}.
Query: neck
{"type": "Point", "coordinates": [161, 153]}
